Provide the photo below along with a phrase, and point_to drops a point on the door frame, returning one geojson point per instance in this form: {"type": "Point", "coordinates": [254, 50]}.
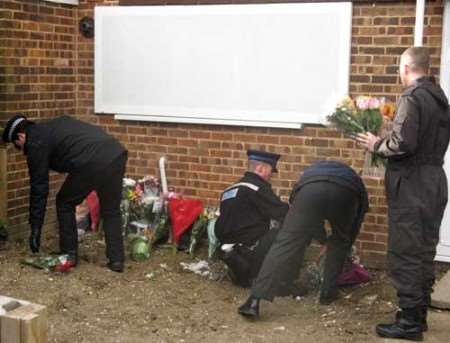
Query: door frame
{"type": "Point", "coordinates": [443, 249]}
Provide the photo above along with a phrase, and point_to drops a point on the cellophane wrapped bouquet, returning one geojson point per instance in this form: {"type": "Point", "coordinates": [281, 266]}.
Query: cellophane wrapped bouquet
{"type": "Point", "coordinates": [364, 114]}
{"type": "Point", "coordinates": [144, 214]}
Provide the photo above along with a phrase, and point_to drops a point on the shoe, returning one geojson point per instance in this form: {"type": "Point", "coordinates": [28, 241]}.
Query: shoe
{"type": "Point", "coordinates": [423, 319]}
{"type": "Point", "coordinates": [328, 296]}
{"type": "Point", "coordinates": [407, 326]}
{"type": "Point", "coordinates": [287, 290]}
{"type": "Point", "coordinates": [250, 308]}
{"type": "Point", "coordinates": [116, 266]}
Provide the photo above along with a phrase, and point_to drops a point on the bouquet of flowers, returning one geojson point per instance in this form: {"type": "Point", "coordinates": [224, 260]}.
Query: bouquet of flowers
{"type": "Point", "coordinates": [200, 227]}
{"type": "Point", "coordinates": [364, 114]}
{"type": "Point", "coordinates": [141, 201]}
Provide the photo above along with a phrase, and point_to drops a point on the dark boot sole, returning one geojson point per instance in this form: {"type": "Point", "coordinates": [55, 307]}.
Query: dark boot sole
{"type": "Point", "coordinates": [415, 338]}
{"type": "Point", "coordinates": [248, 314]}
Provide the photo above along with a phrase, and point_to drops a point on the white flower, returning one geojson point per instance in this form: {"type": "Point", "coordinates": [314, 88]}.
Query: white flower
{"type": "Point", "coordinates": [127, 182]}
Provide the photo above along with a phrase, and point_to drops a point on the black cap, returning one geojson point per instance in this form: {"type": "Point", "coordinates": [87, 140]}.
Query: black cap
{"type": "Point", "coordinates": [11, 127]}
{"type": "Point", "coordinates": [263, 156]}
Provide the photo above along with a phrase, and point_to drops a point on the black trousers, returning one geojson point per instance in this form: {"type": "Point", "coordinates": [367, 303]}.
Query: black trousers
{"type": "Point", "coordinates": [313, 203]}
{"type": "Point", "coordinates": [416, 200]}
{"type": "Point", "coordinates": [108, 185]}
{"type": "Point", "coordinates": [245, 261]}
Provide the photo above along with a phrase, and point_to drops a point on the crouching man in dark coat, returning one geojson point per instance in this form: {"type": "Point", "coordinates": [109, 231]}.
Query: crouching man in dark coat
{"type": "Point", "coordinates": [92, 159]}
{"type": "Point", "coordinates": [327, 190]}
{"type": "Point", "coordinates": [247, 209]}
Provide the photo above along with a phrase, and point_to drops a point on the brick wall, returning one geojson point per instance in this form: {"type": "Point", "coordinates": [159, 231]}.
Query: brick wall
{"type": "Point", "coordinates": [204, 159]}
{"type": "Point", "coordinates": [37, 78]}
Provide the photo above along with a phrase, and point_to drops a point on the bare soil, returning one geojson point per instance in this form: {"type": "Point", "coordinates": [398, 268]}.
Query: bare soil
{"type": "Point", "coordinates": [157, 301]}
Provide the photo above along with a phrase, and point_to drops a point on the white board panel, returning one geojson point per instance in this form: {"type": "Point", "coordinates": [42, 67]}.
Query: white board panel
{"type": "Point", "coordinates": [69, 2]}
{"type": "Point", "coordinates": [267, 65]}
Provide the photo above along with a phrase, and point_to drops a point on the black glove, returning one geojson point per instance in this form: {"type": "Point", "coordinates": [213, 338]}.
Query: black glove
{"type": "Point", "coordinates": [35, 239]}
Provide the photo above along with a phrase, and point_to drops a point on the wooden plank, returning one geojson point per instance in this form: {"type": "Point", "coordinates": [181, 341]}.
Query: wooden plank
{"type": "Point", "coordinates": [34, 325]}
{"type": "Point", "coordinates": [26, 324]}
{"type": "Point", "coordinates": [10, 329]}
{"type": "Point", "coordinates": [30, 329]}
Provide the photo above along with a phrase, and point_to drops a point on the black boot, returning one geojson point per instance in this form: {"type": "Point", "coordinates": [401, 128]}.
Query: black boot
{"type": "Point", "coordinates": [290, 289]}
{"type": "Point", "coordinates": [407, 326]}
{"type": "Point", "coordinates": [116, 266]}
{"type": "Point", "coordinates": [250, 308]}
{"type": "Point", "coordinates": [423, 319]}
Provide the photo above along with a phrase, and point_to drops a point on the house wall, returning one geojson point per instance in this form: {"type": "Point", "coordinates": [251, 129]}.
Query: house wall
{"type": "Point", "coordinates": [46, 69]}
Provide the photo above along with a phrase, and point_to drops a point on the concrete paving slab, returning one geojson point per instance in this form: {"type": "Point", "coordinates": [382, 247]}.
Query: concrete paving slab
{"type": "Point", "coordinates": [441, 296]}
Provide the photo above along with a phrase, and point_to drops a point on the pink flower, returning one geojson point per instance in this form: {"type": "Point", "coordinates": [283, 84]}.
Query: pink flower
{"type": "Point", "coordinates": [362, 103]}
{"type": "Point", "coordinates": [373, 103]}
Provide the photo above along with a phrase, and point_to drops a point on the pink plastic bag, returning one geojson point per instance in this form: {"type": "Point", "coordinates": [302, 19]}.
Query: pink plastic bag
{"type": "Point", "coordinates": [94, 209]}
{"type": "Point", "coordinates": [356, 275]}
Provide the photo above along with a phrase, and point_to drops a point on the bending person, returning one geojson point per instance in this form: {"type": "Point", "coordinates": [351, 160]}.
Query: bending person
{"type": "Point", "coordinates": [327, 190]}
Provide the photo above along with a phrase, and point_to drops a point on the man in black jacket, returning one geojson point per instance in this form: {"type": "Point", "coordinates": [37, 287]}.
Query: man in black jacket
{"type": "Point", "coordinates": [92, 159]}
{"type": "Point", "coordinates": [327, 190]}
{"type": "Point", "coordinates": [416, 190]}
{"type": "Point", "coordinates": [246, 211]}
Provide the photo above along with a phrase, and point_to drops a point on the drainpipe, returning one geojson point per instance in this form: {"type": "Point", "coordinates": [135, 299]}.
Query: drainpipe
{"type": "Point", "coordinates": [418, 30]}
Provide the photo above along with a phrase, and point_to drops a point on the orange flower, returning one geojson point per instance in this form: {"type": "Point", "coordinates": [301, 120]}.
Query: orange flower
{"type": "Point", "coordinates": [388, 110]}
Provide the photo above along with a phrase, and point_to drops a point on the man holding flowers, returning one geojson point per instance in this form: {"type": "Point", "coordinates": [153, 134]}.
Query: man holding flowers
{"type": "Point", "coordinates": [416, 190]}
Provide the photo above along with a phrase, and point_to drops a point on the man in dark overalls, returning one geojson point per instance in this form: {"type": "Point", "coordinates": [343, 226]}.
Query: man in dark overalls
{"type": "Point", "coordinates": [246, 210]}
{"type": "Point", "coordinates": [416, 190]}
{"type": "Point", "coordinates": [327, 190]}
{"type": "Point", "coordinates": [92, 159]}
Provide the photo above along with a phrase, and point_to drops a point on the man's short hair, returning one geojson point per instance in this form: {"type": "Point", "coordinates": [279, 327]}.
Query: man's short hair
{"type": "Point", "coordinates": [418, 58]}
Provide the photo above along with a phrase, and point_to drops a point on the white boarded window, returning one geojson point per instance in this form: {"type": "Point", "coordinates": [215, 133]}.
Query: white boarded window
{"type": "Point", "coordinates": [274, 65]}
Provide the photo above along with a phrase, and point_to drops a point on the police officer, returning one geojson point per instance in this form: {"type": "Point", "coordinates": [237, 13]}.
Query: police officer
{"type": "Point", "coordinates": [246, 211]}
{"type": "Point", "coordinates": [93, 160]}
{"type": "Point", "coordinates": [416, 190]}
{"type": "Point", "coordinates": [327, 190]}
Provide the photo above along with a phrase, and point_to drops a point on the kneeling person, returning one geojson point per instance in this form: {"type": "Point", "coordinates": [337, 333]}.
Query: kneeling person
{"type": "Point", "coordinates": [327, 190]}
{"type": "Point", "coordinates": [246, 211]}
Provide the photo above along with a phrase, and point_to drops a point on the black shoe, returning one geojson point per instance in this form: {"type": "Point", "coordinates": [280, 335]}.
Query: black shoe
{"type": "Point", "coordinates": [328, 296]}
{"type": "Point", "coordinates": [287, 290]}
{"type": "Point", "coordinates": [423, 319]}
{"type": "Point", "coordinates": [116, 266]}
{"type": "Point", "coordinates": [250, 308]}
{"type": "Point", "coordinates": [407, 326]}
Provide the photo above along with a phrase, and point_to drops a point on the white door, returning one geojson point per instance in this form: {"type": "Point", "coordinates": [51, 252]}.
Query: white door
{"type": "Point", "coordinates": [443, 251]}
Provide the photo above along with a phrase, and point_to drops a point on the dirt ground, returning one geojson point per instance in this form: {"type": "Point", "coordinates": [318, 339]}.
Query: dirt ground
{"type": "Point", "coordinates": [157, 301]}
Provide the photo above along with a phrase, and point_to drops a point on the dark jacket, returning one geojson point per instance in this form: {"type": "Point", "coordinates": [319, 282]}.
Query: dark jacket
{"type": "Point", "coordinates": [65, 145]}
{"type": "Point", "coordinates": [341, 174]}
{"type": "Point", "coordinates": [246, 209]}
{"type": "Point", "coordinates": [421, 129]}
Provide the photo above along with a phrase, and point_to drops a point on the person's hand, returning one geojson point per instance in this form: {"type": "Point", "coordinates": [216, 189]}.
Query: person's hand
{"type": "Point", "coordinates": [367, 140]}
{"type": "Point", "coordinates": [35, 240]}
{"type": "Point", "coordinates": [322, 253]}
